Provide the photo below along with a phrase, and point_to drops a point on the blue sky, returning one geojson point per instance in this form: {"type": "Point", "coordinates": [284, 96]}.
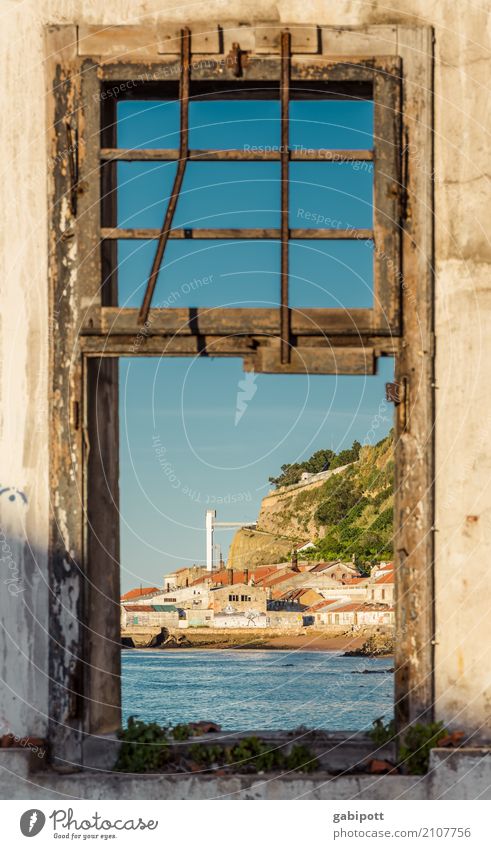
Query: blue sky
{"type": "Point", "coordinates": [181, 448]}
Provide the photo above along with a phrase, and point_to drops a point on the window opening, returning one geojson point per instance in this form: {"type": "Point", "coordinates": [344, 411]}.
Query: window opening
{"type": "Point", "coordinates": [181, 452]}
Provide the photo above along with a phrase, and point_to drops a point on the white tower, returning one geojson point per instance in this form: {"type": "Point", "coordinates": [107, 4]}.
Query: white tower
{"type": "Point", "coordinates": [210, 525]}
{"type": "Point", "coordinates": [210, 521]}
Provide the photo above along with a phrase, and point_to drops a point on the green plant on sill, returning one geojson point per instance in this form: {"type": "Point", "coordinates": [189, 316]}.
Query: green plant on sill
{"type": "Point", "coordinates": [382, 733]}
{"type": "Point", "coordinates": [181, 732]}
{"type": "Point", "coordinates": [301, 759]}
{"type": "Point", "coordinates": [206, 756]}
{"type": "Point", "coordinates": [416, 744]}
{"type": "Point", "coordinates": [418, 741]}
{"type": "Point", "coordinates": [254, 754]}
{"type": "Point", "coordinates": [147, 747]}
{"type": "Point", "coordinates": [144, 749]}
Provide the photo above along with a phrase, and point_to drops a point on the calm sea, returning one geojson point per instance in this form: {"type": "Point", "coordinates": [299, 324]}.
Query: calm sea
{"type": "Point", "coordinates": [256, 689]}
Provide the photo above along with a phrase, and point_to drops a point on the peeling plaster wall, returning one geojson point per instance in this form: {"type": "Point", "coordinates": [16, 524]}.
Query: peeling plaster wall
{"type": "Point", "coordinates": [23, 386]}
{"type": "Point", "coordinates": [463, 314]}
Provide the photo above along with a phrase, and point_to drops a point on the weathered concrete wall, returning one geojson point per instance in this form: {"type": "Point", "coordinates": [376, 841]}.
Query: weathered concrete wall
{"type": "Point", "coordinates": [24, 376]}
{"type": "Point", "coordinates": [463, 256]}
{"type": "Point", "coordinates": [452, 775]}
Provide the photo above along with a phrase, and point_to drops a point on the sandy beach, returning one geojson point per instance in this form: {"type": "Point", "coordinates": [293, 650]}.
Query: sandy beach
{"type": "Point", "coordinates": [196, 639]}
{"type": "Point", "coordinates": [315, 641]}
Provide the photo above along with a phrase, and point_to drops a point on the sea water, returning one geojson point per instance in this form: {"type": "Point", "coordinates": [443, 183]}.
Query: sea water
{"type": "Point", "coordinates": [257, 689]}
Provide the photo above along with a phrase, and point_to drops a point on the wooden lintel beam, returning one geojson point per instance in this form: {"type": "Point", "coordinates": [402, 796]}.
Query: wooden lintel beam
{"type": "Point", "coordinates": [147, 233]}
{"type": "Point", "coordinates": [111, 154]}
{"type": "Point", "coordinates": [267, 360]}
{"type": "Point", "coordinates": [221, 321]}
{"type": "Point", "coordinates": [139, 344]}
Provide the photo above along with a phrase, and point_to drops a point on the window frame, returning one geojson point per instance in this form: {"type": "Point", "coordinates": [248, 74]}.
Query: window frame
{"type": "Point", "coordinates": [88, 338]}
{"type": "Point", "coordinates": [383, 77]}
{"type": "Point", "coordinates": [341, 327]}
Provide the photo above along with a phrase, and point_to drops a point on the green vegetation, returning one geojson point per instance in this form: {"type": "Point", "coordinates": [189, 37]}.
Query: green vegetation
{"type": "Point", "coordinates": [148, 747]}
{"type": "Point", "coordinates": [418, 741]}
{"type": "Point", "coordinates": [349, 513]}
{"type": "Point", "coordinates": [342, 497]}
{"type": "Point", "coordinates": [254, 755]}
{"type": "Point", "coordinates": [181, 732]}
{"type": "Point", "coordinates": [145, 747]}
{"type": "Point", "coordinates": [382, 733]}
{"type": "Point", "coordinates": [355, 509]}
{"type": "Point", "coordinates": [318, 462]}
{"type": "Point", "coordinates": [416, 745]}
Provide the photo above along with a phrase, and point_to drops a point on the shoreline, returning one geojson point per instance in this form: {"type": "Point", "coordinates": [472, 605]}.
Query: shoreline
{"type": "Point", "coordinates": [314, 641]}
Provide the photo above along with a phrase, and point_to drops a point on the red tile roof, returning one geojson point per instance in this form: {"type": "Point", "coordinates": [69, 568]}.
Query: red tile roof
{"type": "Point", "coordinates": [263, 572]}
{"type": "Point", "coordinates": [273, 580]}
{"type": "Point", "coordinates": [321, 567]}
{"type": "Point", "coordinates": [138, 608]}
{"type": "Point", "coordinates": [204, 579]}
{"type": "Point", "coordinates": [222, 576]}
{"type": "Point", "coordinates": [320, 604]}
{"type": "Point", "coordinates": [280, 594]}
{"type": "Point", "coordinates": [351, 606]}
{"type": "Point", "coordinates": [139, 592]}
{"type": "Point", "coordinates": [292, 594]}
{"type": "Point", "coordinates": [385, 579]}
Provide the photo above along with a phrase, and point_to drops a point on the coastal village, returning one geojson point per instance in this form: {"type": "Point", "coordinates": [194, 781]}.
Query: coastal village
{"type": "Point", "coordinates": [303, 592]}
{"type": "Point", "coordinates": [330, 596]}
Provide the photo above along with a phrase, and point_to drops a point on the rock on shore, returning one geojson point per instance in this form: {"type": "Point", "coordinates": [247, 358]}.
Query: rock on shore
{"type": "Point", "coordinates": [377, 645]}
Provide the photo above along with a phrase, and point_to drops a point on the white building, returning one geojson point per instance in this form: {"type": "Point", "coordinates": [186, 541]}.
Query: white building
{"type": "Point", "coordinates": [241, 620]}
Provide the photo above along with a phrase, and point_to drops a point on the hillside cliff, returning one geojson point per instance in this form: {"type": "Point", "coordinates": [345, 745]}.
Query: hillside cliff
{"type": "Point", "coordinates": [346, 510]}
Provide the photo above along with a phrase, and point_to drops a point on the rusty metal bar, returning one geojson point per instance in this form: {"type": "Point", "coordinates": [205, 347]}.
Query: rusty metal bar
{"type": "Point", "coordinates": [181, 167]}
{"type": "Point", "coordinates": [111, 154]}
{"type": "Point", "coordinates": [285, 139]}
{"type": "Point", "coordinates": [112, 233]}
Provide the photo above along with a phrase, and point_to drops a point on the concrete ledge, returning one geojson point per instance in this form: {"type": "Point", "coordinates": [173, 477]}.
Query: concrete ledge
{"type": "Point", "coordinates": [458, 774]}
{"type": "Point", "coordinates": [89, 785]}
